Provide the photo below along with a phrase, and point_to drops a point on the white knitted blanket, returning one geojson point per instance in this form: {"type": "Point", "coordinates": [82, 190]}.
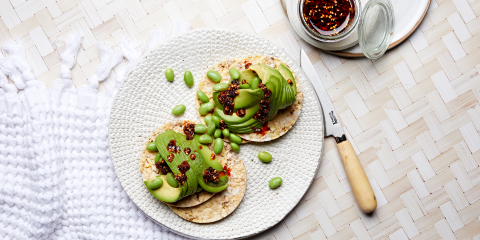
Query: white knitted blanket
{"type": "Point", "coordinates": [57, 180]}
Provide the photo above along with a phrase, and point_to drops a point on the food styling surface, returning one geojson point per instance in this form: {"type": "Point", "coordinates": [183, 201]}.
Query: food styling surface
{"type": "Point", "coordinates": [145, 102]}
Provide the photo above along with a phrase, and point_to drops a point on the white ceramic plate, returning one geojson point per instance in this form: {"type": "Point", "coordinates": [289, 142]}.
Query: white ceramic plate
{"type": "Point", "coordinates": [408, 15]}
{"type": "Point", "coordinates": [144, 103]}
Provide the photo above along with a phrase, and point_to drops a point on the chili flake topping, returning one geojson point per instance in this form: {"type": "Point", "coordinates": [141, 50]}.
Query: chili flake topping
{"type": "Point", "coordinates": [193, 156]}
{"type": "Point", "coordinates": [187, 151]}
{"type": "Point", "coordinates": [189, 130]}
{"type": "Point", "coordinates": [226, 98]}
{"type": "Point", "coordinates": [183, 167]}
{"type": "Point", "coordinates": [240, 112]}
{"type": "Point", "coordinates": [181, 178]}
{"type": "Point", "coordinates": [172, 147]}
{"type": "Point", "coordinates": [162, 167]}
{"type": "Point", "coordinates": [328, 17]}
{"type": "Point", "coordinates": [211, 175]}
{"type": "Point", "coordinates": [170, 157]}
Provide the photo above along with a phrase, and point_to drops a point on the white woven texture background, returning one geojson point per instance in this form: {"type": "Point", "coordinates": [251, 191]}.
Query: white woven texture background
{"type": "Point", "coordinates": [413, 115]}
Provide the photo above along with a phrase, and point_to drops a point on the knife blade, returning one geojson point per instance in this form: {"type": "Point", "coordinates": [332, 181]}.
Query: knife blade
{"type": "Point", "coordinates": [361, 187]}
{"type": "Point", "coordinates": [332, 124]}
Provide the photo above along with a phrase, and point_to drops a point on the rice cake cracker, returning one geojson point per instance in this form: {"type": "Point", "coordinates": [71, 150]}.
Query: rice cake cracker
{"type": "Point", "coordinates": [225, 202]}
{"type": "Point", "coordinates": [282, 122]}
{"type": "Point", "coordinates": [149, 171]}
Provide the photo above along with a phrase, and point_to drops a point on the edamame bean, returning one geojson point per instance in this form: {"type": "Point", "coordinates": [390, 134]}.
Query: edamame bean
{"type": "Point", "coordinates": [265, 157]}
{"type": "Point", "coordinates": [179, 109]}
{"type": "Point", "coordinates": [275, 182]}
{"type": "Point", "coordinates": [169, 74]}
{"type": "Point", "coordinates": [202, 96]}
{"type": "Point", "coordinates": [205, 139]}
{"type": "Point", "coordinates": [234, 73]}
{"type": "Point", "coordinates": [235, 138]}
{"type": "Point", "coordinates": [218, 145]}
{"type": "Point", "coordinates": [217, 133]}
{"type": "Point", "coordinates": [155, 184]}
{"type": "Point", "coordinates": [152, 147]}
{"type": "Point", "coordinates": [208, 119]}
{"type": "Point", "coordinates": [235, 147]}
{"type": "Point", "coordinates": [211, 129]}
{"type": "Point", "coordinates": [216, 120]}
{"type": "Point", "coordinates": [158, 157]}
{"type": "Point", "coordinates": [188, 78]}
{"type": "Point", "coordinates": [226, 132]}
{"type": "Point", "coordinates": [206, 108]}
{"type": "Point", "coordinates": [214, 76]}
{"type": "Point", "coordinates": [244, 86]}
{"type": "Point", "coordinates": [255, 82]}
{"type": "Point", "coordinates": [200, 128]}
{"type": "Point", "coordinates": [220, 87]}
{"type": "Point", "coordinates": [171, 180]}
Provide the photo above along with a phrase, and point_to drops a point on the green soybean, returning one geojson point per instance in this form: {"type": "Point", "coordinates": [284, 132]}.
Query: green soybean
{"type": "Point", "coordinates": [205, 139]}
{"type": "Point", "coordinates": [202, 96]}
{"type": "Point", "coordinates": [244, 86]}
{"type": "Point", "coordinates": [211, 128]}
{"type": "Point", "coordinates": [220, 87]}
{"type": "Point", "coordinates": [255, 82]}
{"type": "Point", "coordinates": [217, 133]}
{"type": "Point", "coordinates": [235, 147]}
{"type": "Point", "coordinates": [206, 108]}
{"type": "Point", "coordinates": [158, 157]}
{"type": "Point", "coordinates": [200, 128]}
{"type": "Point", "coordinates": [179, 109]}
{"type": "Point", "coordinates": [226, 132]}
{"type": "Point", "coordinates": [214, 76]}
{"type": "Point", "coordinates": [208, 119]}
{"type": "Point", "coordinates": [171, 180]}
{"type": "Point", "coordinates": [216, 120]}
{"type": "Point", "coordinates": [265, 157]}
{"type": "Point", "coordinates": [188, 78]}
{"type": "Point", "coordinates": [235, 138]}
{"type": "Point", "coordinates": [275, 182]}
{"type": "Point", "coordinates": [218, 145]}
{"type": "Point", "coordinates": [169, 74]}
{"type": "Point", "coordinates": [155, 183]}
{"type": "Point", "coordinates": [234, 73]}
{"type": "Point", "coordinates": [152, 147]}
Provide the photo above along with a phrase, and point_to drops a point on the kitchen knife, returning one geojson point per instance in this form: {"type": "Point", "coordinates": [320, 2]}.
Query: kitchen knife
{"type": "Point", "coordinates": [361, 188]}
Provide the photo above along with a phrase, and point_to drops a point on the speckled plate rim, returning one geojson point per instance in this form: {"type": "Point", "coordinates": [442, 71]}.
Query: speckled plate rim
{"type": "Point", "coordinates": [322, 138]}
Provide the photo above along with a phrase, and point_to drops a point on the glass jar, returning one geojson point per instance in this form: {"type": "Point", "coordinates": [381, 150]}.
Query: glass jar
{"type": "Point", "coordinates": [374, 24]}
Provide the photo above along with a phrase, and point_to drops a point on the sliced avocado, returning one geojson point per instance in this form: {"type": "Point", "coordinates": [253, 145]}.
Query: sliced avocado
{"type": "Point", "coordinates": [216, 101]}
{"type": "Point", "coordinates": [247, 98]}
{"type": "Point", "coordinates": [165, 193]}
{"type": "Point", "coordinates": [213, 189]}
{"type": "Point", "coordinates": [264, 72]}
{"type": "Point", "coordinates": [206, 154]}
{"type": "Point", "coordinates": [274, 84]}
{"type": "Point", "coordinates": [245, 127]}
{"type": "Point", "coordinates": [247, 75]}
{"type": "Point", "coordinates": [249, 113]}
{"type": "Point", "coordinates": [287, 74]}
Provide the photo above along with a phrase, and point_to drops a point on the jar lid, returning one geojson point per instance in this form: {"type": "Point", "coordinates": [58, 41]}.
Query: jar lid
{"type": "Point", "coordinates": [375, 29]}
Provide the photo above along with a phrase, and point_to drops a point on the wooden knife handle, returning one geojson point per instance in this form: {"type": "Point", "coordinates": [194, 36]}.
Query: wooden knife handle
{"type": "Point", "coordinates": [361, 188]}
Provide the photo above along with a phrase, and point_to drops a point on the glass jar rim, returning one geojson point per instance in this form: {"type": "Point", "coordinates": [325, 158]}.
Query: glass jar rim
{"type": "Point", "coordinates": [324, 38]}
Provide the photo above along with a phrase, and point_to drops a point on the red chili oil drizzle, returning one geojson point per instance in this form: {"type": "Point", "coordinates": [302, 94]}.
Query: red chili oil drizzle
{"type": "Point", "coordinates": [262, 113]}
{"type": "Point", "coordinates": [170, 157]}
{"type": "Point", "coordinates": [247, 64]}
{"type": "Point", "coordinates": [223, 125]}
{"type": "Point", "coordinates": [189, 130]}
{"type": "Point", "coordinates": [212, 156]}
{"type": "Point", "coordinates": [181, 178]}
{"type": "Point", "coordinates": [241, 112]}
{"type": "Point", "coordinates": [263, 130]}
{"type": "Point", "coordinates": [211, 175]}
{"type": "Point", "coordinates": [227, 170]}
{"type": "Point", "coordinates": [200, 147]}
{"type": "Point", "coordinates": [172, 147]}
{"type": "Point", "coordinates": [227, 97]}
{"type": "Point", "coordinates": [193, 156]}
{"type": "Point", "coordinates": [183, 167]}
{"type": "Point", "coordinates": [162, 167]}
{"type": "Point", "coordinates": [289, 81]}
{"type": "Point", "coordinates": [187, 151]}
{"type": "Point", "coordinates": [328, 17]}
